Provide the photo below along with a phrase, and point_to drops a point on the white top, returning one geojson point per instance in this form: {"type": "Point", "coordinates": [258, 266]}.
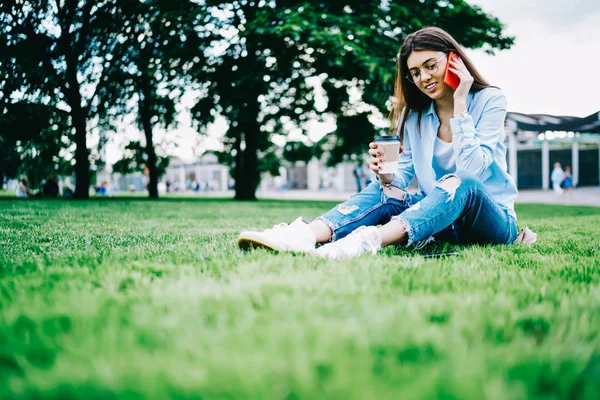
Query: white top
{"type": "Point", "coordinates": [444, 160]}
{"type": "Point", "coordinates": [557, 175]}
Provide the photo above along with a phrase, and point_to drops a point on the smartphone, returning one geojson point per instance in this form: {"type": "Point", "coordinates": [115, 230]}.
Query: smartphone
{"type": "Point", "coordinates": [450, 78]}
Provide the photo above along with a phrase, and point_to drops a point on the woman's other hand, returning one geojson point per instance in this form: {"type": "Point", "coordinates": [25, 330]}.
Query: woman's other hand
{"type": "Point", "coordinates": [376, 156]}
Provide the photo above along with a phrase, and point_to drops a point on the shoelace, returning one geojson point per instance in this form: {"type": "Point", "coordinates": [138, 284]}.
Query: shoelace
{"type": "Point", "coordinates": [422, 243]}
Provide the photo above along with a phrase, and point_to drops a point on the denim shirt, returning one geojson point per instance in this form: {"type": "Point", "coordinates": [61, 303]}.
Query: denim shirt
{"type": "Point", "coordinates": [478, 140]}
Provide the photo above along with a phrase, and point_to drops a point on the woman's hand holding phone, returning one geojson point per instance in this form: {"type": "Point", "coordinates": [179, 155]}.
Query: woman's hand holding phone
{"type": "Point", "coordinates": [458, 67]}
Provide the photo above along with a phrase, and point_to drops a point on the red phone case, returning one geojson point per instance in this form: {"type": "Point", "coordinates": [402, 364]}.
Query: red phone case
{"type": "Point", "coordinates": [450, 78]}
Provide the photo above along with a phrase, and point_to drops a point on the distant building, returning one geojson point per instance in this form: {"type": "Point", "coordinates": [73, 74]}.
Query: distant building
{"type": "Point", "coordinates": [201, 174]}
{"type": "Point", "coordinates": [314, 175]}
{"type": "Point", "coordinates": [204, 171]}
{"type": "Point", "coordinates": [535, 141]}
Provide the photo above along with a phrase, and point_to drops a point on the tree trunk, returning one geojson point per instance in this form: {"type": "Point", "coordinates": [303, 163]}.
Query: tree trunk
{"type": "Point", "coordinates": [79, 122]}
{"type": "Point", "coordinates": [146, 115]}
{"type": "Point", "coordinates": [246, 176]}
{"type": "Point", "coordinates": [247, 173]}
{"type": "Point", "coordinates": [82, 166]}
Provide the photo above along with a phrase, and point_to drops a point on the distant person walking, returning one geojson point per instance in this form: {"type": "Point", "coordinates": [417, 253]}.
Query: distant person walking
{"type": "Point", "coordinates": [557, 177]}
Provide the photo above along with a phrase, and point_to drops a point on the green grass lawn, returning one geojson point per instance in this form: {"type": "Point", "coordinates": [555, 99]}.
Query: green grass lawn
{"type": "Point", "coordinates": [130, 298]}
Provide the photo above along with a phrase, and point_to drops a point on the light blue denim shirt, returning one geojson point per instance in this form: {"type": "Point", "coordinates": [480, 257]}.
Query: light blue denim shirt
{"type": "Point", "coordinates": [478, 140]}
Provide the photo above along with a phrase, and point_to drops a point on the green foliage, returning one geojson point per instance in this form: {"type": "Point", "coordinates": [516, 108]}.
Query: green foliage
{"type": "Point", "coordinates": [55, 53]}
{"type": "Point", "coordinates": [127, 298]}
{"type": "Point", "coordinates": [270, 162]}
{"type": "Point", "coordinates": [158, 47]}
{"type": "Point", "coordinates": [32, 137]}
{"type": "Point", "coordinates": [156, 50]}
{"type": "Point", "coordinates": [298, 151]}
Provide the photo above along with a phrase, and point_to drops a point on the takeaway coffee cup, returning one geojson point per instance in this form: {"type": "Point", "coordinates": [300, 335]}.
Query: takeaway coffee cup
{"type": "Point", "coordinates": [390, 147]}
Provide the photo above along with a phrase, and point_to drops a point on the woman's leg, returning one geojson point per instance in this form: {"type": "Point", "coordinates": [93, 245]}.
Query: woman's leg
{"type": "Point", "coordinates": [460, 200]}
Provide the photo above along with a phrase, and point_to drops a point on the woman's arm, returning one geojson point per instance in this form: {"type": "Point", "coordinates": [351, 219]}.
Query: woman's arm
{"type": "Point", "coordinates": [474, 145]}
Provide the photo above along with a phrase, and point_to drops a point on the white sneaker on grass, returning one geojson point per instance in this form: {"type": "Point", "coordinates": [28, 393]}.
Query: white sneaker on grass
{"type": "Point", "coordinates": [296, 237]}
{"type": "Point", "coordinates": [366, 239]}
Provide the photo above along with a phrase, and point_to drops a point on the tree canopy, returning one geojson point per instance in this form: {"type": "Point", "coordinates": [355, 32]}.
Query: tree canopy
{"type": "Point", "coordinates": [55, 53]}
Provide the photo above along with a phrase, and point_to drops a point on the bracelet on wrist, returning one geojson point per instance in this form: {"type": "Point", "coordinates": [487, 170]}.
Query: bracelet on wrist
{"type": "Point", "coordinates": [461, 115]}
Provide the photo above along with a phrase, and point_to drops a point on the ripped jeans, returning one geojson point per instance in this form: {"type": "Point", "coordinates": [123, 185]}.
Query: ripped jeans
{"type": "Point", "coordinates": [467, 215]}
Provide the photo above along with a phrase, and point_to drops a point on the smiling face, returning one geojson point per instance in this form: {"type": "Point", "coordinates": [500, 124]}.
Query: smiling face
{"type": "Point", "coordinates": [429, 76]}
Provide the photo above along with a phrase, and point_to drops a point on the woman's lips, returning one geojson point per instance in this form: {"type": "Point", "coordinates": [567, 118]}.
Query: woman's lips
{"type": "Point", "coordinates": [431, 87]}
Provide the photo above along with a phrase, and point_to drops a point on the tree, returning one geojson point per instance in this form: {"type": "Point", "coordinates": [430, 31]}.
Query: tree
{"type": "Point", "coordinates": [268, 50]}
{"type": "Point", "coordinates": [158, 49]}
{"type": "Point", "coordinates": [55, 52]}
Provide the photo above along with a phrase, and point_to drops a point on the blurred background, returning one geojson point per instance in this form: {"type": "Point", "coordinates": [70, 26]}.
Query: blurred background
{"type": "Point", "coordinates": [246, 97]}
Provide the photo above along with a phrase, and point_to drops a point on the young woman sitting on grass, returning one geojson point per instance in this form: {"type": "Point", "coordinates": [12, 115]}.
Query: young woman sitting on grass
{"type": "Point", "coordinates": [452, 141]}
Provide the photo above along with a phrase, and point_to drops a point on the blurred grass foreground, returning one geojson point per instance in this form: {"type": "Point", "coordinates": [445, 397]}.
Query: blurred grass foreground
{"type": "Point", "coordinates": [130, 298]}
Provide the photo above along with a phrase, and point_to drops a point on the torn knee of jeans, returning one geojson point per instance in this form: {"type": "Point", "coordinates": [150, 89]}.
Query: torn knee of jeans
{"type": "Point", "coordinates": [342, 209]}
{"type": "Point", "coordinates": [449, 184]}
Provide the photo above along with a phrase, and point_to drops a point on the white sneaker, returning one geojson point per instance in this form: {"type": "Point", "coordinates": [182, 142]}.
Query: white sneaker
{"type": "Point", "coordinates": [366, 239]}
{"type": "Point", "coordinates": [297, 237]}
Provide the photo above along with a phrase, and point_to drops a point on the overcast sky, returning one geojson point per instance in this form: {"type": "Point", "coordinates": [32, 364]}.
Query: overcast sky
{"type": "Point", "coordinates": [554, 66]}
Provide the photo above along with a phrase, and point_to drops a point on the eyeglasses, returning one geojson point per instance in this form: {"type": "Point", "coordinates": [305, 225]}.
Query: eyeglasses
{"type": "Point", "coordinates": [415, 75]}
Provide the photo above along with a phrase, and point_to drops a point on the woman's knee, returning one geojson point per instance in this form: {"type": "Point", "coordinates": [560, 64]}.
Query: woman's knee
{"type": "Point", "coordinates": [465, 181]}
{"type": "Point", "coordinates": [459, 178]}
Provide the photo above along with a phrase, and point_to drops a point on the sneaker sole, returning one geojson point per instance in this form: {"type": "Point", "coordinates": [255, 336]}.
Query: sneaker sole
{"type": "Point", "coordinates": [248, 242]}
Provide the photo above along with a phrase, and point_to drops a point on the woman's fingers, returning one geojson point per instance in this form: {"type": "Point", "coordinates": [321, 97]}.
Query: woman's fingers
{"type": "Point", "coordinates": [460, 66]}
{"type": "Point", "coordinates": [374, 163]}
{"type": "Point", "coordinates": [375, 167]}
{"type": "Point", "coordinates": [375, 152]}
{"type": "Point", "coordinates": [457, 72]}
